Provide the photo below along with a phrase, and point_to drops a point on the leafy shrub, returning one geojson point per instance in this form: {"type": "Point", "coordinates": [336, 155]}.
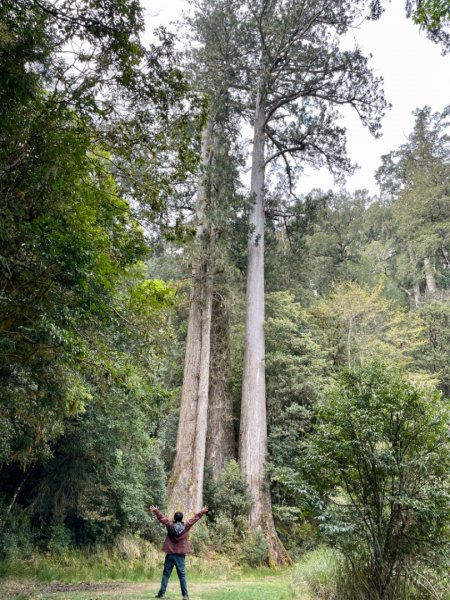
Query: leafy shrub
{"type": "Point", "coordinates": [255, 551]}
{"type": "Point", "coordinates": [228, 496]}
{"type": "Point", "coordinates": [15, 534]}
{"type": "Point", "coordinates": [381, 445]}
{"type": "Point", "coordinates": [60, 538]}
{"type": "Point", "coordinates": [229, 503]}
{"type": "Point", "coordinates": [223, 535]}
{"type": "Point", "coordinates": [199, 538]}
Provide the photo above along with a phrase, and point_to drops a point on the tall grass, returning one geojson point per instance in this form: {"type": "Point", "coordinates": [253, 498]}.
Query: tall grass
{"type": "Point", "coordinates": [75, 566]}
{"type": "Point", "coordinates": [315, 572]}
{"type": "Point", "coordinates": [131, 559]}
{"type": "Point", "coordinates": [327, 576]}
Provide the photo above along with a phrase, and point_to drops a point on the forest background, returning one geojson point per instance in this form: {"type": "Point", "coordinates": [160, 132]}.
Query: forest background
{"type": "Point", "coordinates": [128, 241]}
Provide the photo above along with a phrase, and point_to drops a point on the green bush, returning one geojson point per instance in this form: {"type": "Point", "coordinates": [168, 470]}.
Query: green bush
{"type": "Point", "coordinates": [223, 535]}
{"type": "Point", "coordinates": [16, 538]}
{"type": "Point", "coordinates": [378, 469]}
{"type": "Point", "coordinates": [229, 504]}
{"type": "Point", "coordinates": [255, 551]}
{"type": "Point", "coordinates": [60, 538]}
{"type": "Point", "coordinates": [228, 496]}
{"type": "Point", "coordinates": [199, 538]}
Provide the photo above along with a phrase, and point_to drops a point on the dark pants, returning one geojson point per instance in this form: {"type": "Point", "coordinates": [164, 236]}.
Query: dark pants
{"type": "Point", "coordinates": [177, 561]}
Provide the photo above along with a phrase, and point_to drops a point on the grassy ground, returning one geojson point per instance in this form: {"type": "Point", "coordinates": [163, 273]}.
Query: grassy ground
{"type": "Point", "coordinates": [276, 587]}
{"type": "Point", "coordinates": [133, 571]}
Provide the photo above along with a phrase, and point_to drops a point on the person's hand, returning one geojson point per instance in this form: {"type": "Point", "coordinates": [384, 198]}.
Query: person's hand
{"type": "Point", "coordinates": [204, 510]}
{"type": "Point", "coordinates": [153, 508]}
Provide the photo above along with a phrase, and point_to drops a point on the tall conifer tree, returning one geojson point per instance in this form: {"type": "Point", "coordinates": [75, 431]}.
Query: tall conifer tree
{"type": "Point", "coordinates": [302, 75]}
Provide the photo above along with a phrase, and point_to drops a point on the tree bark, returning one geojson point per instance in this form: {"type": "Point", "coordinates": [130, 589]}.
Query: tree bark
{"type": "Point", "coordinates": [416, 287]}
{"type": "Point", "coordinates": [429, 277]}
{"type": "Point", "coordinates": [253, 432]}
{"type": "Point", "coordinates": [186, 482]}
{"type": "Point", "coordinates": [220, 445]}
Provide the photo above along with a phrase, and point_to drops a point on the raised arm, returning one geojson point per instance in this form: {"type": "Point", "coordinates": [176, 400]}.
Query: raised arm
{"type": "Point", "coordinates": [196, 518]}
{"type": "Point", "coordinates": [160, 516]}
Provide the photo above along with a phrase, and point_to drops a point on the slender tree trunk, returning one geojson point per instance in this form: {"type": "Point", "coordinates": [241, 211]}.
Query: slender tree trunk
{"type": "Point", "coordinates": [13, 501]}
{"type": "Point", "coordinates": [253, 433]}
{"type": "Point", "coordinates": [186, 482]}
{"type": "Point", "coordinates": [416, 287]}
{"type": "Point", "coordinates": [429, 277]}
{"type": "Point", "coordinates": [220, 446]}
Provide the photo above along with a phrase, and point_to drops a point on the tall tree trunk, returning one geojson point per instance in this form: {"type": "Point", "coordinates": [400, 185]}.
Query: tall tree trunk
{"type": "Point", "coordinates": [429, 277]}
{"type": "Point", "coordinates": [220, 446]}
{"type": "Point", "coordinates": [253, 433]}
{"type": "Point", "coordinates": [186, 482]}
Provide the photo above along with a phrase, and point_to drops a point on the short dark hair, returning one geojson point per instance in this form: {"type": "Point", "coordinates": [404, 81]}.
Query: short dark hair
{"type": "Point", "coordinates": [178, 517]}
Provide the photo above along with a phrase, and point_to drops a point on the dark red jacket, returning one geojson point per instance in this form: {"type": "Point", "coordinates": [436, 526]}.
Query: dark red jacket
{"type": "Point", "coordinates": [177, 544]}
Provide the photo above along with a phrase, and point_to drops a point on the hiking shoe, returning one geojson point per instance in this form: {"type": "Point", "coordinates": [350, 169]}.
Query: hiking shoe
{"type": "Point", "coordinates": [159, 595]}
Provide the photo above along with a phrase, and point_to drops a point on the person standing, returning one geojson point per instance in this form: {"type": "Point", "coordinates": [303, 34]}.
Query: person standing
{"type": "Point", "coordinates": [176, 546]}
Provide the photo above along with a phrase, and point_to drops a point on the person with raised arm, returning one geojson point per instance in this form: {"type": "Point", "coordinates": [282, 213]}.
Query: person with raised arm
{"type": "Point", "coordinates": [176, 546]}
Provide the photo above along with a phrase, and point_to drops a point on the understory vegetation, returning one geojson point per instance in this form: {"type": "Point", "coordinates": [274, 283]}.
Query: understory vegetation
{"type": "Point", "coordinates": [135, 369]}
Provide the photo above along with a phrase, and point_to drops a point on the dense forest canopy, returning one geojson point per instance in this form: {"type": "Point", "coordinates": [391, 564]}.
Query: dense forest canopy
{"type": "Point", "coordinates": [172, 336]}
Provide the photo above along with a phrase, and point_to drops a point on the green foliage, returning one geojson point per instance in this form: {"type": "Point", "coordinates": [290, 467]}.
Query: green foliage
{"type": "Point", "coordinates": [382, 492]}
{"type": "Point", "coordinates": [62, 248]}
{"type": "Point", "coordinates": [100, 482]}
{"type": "Point", "coordinates": [228, 495]}
{"type": "Point", "coordinates": [200, 538]}
{"type": "Point", "coordinates": [130, 558]}
{"type": "Point", "coordinates": [360, 323]}
{"type": "Point", "coordinates": [336, 241]}
{"type": "Point", "coordinates": [255, 551]}
{"type": "Point", "coordinates": [16, 539]}
{"type": "Point", "coordinates": [434, 355]}
{"type": "Point", "coordinates": [415, 180]}
{"type": "Point", "coordinates": [297, 371]}
{"type": "Point", "coordinates": [223, 534]}
{"type": "Point", "coordinates": [60, 538]}
{"type": "Point", "coordinates": [296, 365]}
{"type": "Point", "coordinates": [69, 234]}
{"type": "Point", "coordinates": [434, 16]}
{"type": "Point", "coordinates": [229, 502]}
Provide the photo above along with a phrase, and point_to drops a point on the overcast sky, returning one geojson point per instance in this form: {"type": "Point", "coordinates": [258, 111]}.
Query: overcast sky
{"type": "Point", "coordinates": [414, 72]}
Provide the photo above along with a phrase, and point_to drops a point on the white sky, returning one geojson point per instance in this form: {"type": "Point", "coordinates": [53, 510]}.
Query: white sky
{"type": "Point", "coordinates": [414, 72]}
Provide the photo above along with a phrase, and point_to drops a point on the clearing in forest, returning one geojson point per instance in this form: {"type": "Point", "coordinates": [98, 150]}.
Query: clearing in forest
{"type": "Point", "coordinates": [267, 588]}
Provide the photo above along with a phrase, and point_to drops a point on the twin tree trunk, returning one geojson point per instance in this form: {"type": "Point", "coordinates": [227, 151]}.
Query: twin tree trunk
{"type": "Point", "coordinates": [205, 430]}
{"type": "Point", "coordinates": [186, 482]}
